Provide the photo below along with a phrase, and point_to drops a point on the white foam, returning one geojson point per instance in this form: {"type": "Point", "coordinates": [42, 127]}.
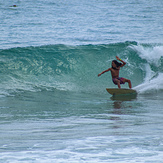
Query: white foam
{"type": "Point", "coordinates": [153, 80]}
{"type": "Point", "coordinates": [154, 84]}
{"type": "Point", "coordinates": [151, 54]}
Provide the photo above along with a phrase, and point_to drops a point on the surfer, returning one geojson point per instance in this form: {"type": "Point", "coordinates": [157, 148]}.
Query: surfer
{"type": "Point", "coordinates": [115, 73]}
{"type": "Point", "coordinates": [13, 6]}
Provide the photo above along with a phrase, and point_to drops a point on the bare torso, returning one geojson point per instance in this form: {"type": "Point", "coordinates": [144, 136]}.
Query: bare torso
{"type": "Point", "coordinates": [114, 73]}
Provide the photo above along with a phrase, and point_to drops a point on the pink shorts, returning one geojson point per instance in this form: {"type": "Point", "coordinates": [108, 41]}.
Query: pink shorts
{"type": "Point", "coordinates": [119, 78]}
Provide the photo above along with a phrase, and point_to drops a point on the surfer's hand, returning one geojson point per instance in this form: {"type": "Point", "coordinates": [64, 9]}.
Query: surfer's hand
{"type": "Point", "coordinates": [99, 74]}
{"type": "Point", "coordinates": [117, 58]}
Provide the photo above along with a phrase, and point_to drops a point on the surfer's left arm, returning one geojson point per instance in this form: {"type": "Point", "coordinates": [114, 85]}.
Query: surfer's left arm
{"type": "Point", "coordinates": [123, 62]}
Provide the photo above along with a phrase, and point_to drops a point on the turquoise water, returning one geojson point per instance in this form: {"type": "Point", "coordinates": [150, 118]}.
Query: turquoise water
{"type": "Point", "coordinates": [54, 107]}
{"type": "Point", "coordinates": [40, 22]}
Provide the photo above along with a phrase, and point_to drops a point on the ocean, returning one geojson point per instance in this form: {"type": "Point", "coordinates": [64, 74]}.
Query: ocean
{"type": "Point", "coordinates": [53, 105]}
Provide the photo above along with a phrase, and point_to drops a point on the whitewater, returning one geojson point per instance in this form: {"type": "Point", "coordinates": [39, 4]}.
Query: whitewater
{"type": "Point", "coordinates": [53, 105]}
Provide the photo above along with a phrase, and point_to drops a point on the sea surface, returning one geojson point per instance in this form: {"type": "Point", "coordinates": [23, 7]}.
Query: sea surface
{"type": "Point", "coordinates": [54, 107]}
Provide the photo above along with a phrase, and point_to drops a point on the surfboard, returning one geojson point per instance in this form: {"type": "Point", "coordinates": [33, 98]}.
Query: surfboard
{"type": "Point", "coordinates": [121, 91]}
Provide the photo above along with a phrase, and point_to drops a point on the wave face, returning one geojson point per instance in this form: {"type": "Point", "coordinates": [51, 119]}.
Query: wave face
{"type": "Point", "coordinates": [75, 68]}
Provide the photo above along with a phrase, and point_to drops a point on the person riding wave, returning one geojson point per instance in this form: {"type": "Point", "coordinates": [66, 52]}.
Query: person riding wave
{"type": "Point", "coordinates": [115, 73]}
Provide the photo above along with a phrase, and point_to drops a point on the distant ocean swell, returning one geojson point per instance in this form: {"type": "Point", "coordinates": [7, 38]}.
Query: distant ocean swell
{"type": "Point", "coordinates": [75, 68]}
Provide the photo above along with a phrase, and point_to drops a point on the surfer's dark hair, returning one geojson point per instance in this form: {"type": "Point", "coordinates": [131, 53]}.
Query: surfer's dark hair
{"type": "Point", "coordinates": [117, 63]}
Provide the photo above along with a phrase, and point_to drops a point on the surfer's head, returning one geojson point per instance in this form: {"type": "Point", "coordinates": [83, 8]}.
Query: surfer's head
{"type": "Point", "coordinates": [115, 64]}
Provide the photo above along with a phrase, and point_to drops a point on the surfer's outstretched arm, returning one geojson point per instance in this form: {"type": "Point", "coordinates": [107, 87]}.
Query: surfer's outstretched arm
{"type": "Point", "coordinates": [104, 72]}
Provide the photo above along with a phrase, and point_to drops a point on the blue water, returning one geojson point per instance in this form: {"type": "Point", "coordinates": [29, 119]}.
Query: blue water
{"type": "Point", "coordinates": [54, 107]}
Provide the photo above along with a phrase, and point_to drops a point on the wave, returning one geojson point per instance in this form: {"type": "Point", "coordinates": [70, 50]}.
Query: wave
{"type": "Point", "coordinates": [75, 68]}
{"type": "Point", "coordinates": [153, 78]}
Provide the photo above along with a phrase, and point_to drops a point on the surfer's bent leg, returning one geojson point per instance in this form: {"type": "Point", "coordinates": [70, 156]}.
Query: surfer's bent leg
{"type": "Point", "coordinates": [128, 81]}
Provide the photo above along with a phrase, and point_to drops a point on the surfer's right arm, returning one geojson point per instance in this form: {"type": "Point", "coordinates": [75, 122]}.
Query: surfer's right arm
{"type": "Point", "coordinates": [104, 72]}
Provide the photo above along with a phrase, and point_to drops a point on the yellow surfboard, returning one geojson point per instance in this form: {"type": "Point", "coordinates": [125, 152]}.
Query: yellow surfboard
{"type": "Point", "coordinates": [121, 91]}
